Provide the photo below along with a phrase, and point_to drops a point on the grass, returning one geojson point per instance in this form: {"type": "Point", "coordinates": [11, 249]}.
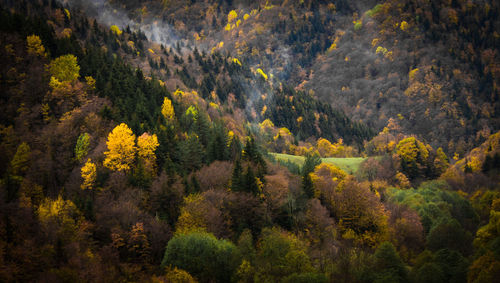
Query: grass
{"type": "Point", "coordinates": [349, 164]}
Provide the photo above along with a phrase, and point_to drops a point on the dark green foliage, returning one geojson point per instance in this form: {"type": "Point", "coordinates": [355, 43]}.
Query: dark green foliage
{"type": "Point", "coordinates": [125, 223]}
{"type": "Point", "coordinates": [388, 266]}
{"type": "Point", "coordinates": [438, 204]}
{"type": "Point", "coordinates": [453, 265]}
{"type": "Point", "coordinates": [333, 124]}
{"type": "Point", "coordinates": [306, 278]}
{"type": "Point", "coordinates": [442, 266]}
{"type": "Point", "coordinates": [310, 163]}
{"type": "Point", "coordinates": [280, 256]}
{"type": "Point", "coordinates": [81, 148]}
{"type": "Point", "coordinates": [246, 246]}
{"type": "Point", "coordinates": [250, 182]}
{"type": "Point", "coordinates": [450, 235]}
{"type": "Point", "coordinates": [429, 272]}
{"type": "Point", "coordinates": [203, 256]}
{"type": "Point", "coordinates": [244, 181]}
{"type": "Point", "coordinates": [252, 153]}
{"type": "Point", "coordinates": [236, 177]}
{"type": "Point", "coordinates": [217, 146]}
{"type": "Point", "coordinates": [166, 151]}
{"type": "Point", "coordinates": [191, 153]}
{"type": "Point", "coordinates": [491, 163]}
{"type": "Point", "coordinates": [234, 148]}
{"type": "Point", "coordinates": [292, 166]}
{"type": "Point", "coordinates": [38, 25]}
{"type": "Point", "coordinates": [140, 177]}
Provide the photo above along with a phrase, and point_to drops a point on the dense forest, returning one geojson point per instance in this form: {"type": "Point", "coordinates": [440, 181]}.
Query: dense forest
{"type": "Point", "coordinates": [249, 141]}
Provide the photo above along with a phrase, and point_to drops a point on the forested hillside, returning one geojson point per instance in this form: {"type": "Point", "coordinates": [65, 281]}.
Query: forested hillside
{"type": "Point", "coordinates": [143, 141]}
{"type": "Point", "coordinates": [433, 65]}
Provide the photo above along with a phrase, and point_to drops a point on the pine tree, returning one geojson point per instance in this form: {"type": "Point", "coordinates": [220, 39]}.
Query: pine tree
{"type": "Point", "coordinates": [195, 185]}
{"type": "Point", "coordinates": [217, 149]}
{"type": "Point", "coordinates": [250, 152]}
{"type": "Point", "coordinates": [236, 184]}
{"type": "Point", "coordinates": [191, 153]}
{"type": "Point", "coordinates": [250, 182]}
{"type": "Point", "coordinates": [307, 184]}
{"type": "Point", "coordinates": [234, 147]}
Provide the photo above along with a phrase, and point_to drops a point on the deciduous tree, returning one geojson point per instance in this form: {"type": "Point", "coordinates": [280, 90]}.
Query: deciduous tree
{"type": "Point", "coordinates": [202, 255]}
{"type": "Point", "coordinates": [89, 175]}
{"type": "Point", "coordinates": [82, 146]}
{"type": "Point", "coordinates": [65, 68]}
{"type": "Point", "coordinates": [146, 147]}
{"type": "Point", "coordinates": [35, 46]}
{"type": "Point", "coordinates": [413, 155]}
{"type": "Point", "coordinates": [121, 149]}
{"type": "Point", "coordinates": [167, 110]}
{"type": "Point", "coordinates": [20, 162]}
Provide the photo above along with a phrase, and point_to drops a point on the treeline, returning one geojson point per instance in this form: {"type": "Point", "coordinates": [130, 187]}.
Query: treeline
{"type": "Point", "coordinates": [306, 117]}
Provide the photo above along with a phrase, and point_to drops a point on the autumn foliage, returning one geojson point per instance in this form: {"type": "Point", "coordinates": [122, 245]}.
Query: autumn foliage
{"type": "Point", "coordinates": [121, 148]}
{"type": "Point", "coordinates": [127, 155]}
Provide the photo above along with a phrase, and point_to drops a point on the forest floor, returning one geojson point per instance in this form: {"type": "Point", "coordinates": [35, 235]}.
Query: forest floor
{"type": "Point", "coordinates": [349, 164]}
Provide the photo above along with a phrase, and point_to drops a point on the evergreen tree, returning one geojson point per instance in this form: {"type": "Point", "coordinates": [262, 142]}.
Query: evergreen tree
{"type": "Point", "coordinates": [236, 177]}
{"type": "Point", "coordinates": [250, 182]}
{"type": "Point", "coordinates": [217, 149]}
{"type": "Point", "coordinates": [234, 148]}
{"type": "Point", "coordinates": [191, 153]}
{"type": "Point", "coordinates": [312, 160]}
{"type": "Point", "coordinates": [195, 186]}
{"type": "Point", "coordinates": [250, 152]}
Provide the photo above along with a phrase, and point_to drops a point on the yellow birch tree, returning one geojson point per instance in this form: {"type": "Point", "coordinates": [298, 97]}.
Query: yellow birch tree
{"type": "Point", "coordinates": [146, 146]}
{"type": "Point", "coordinates": [89, 175]}
{"type": "Point", "coordinates": [167, 110]}
{"type": "Point", "coordinates": [121, 148]}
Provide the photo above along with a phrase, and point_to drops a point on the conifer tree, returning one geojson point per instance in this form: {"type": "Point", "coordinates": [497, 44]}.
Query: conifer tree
{"type": "Point", "coordinates": [312, 160]}
{"type": "Point", "coordinates": [236, 184]}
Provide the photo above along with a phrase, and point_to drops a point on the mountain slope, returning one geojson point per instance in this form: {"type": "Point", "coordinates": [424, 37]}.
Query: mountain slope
{"type": "Point", "coordinates": [432, 66]}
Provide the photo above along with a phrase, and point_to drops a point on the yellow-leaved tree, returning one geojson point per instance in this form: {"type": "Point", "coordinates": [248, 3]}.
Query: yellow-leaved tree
{"type": "Point", "coordinates": [167, 110]}
{"type": "Point", "coordinates": [177, 275]}
{"type": "Point", "coordinates": [20, 162]}
{"type": "Point", "coordinates": [59, 220]}
{"type": "Point", "coordinates": [116, 30]}
{"type": "Point", "coordinates": [413, 155]}
{"type": "Point", "coordinates": [65, 68]}
{"type": "Point", "coordinates": [192, 215]}
{"type": "Point", "coordinates": [146, 146]}
{"type": "Point", "coordinates": [327, 149]}
{"type": "Point", "coordinates": [88, 174]}
{"type": "Point", "coordinates": [121, 148]}
{"type": "Point", "coordinates": [34, 45]}
{"type": "Point", "coordinates": [232, 16]}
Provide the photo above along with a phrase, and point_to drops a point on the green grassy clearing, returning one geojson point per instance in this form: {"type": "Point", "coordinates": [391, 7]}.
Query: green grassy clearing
{"type": "Point", "coordinates": [349, 164]}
